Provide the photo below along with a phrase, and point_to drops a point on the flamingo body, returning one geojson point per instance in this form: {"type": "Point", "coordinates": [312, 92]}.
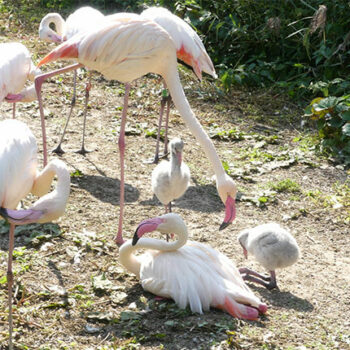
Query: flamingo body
{"type": "Point", "coordinates": [16, 67]}
{"type": "Point", "coordinates": [191, 273]}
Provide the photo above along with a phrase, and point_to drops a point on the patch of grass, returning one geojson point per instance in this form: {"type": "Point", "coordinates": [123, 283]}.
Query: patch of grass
{"type": "Point", "coordinates": [286, 185]}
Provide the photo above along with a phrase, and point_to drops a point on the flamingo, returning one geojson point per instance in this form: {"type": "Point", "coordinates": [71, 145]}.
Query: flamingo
{"type": "Point", "coordinates": [79, 21]}
{"type": "Point", "coordinates": [273, 247]}
{"type": "Point", "coordinates": [124, 51]}
{"type": "Point", "coordinates": [16, 67]}
{"type": "Point", "coordinates": [188, 272]}
{"type": "Point", "coordinates": [170, 180]}
{"type": "Point", "coordinates": [18, 177]}
{"type": "Point", "coordinates": [189, 49]}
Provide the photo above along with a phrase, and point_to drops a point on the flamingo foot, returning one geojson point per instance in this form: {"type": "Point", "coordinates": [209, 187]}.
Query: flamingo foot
{"type": "Point", "coordinates": [83, 151]}
{"type": "Point", "coordinates": [58, 150]}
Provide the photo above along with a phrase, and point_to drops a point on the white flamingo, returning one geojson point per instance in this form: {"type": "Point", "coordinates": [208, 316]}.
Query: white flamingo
{"type": "Point", "coordinates": [124, 51]}
{"type": "Point", "coordinates": [272, 246]}
{"type": "Point", "coordinates": [18, 177]}
{"type": "Point", "coordinates": [189, 49]}
{"type": "Point", "coordinates": [188, 272]}
{"type": "Point", "coordinates": [170, 179]}
{"type": "Point", "coordinates": [79, 21]}
{"type": "Point", "coordinates": [16, 67]}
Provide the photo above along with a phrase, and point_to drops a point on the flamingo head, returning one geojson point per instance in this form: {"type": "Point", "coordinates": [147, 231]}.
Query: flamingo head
{"type": "Point", "coordinates": [47, 34]}
{"type": "Point", "coordinates": [167, 223]}
{"type": "Point", "coordinates": [176, 146]}
{"type": "Point", "coordinates": [227, 191]}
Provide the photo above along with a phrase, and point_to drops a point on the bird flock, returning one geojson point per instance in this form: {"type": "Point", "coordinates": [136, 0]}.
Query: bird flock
{"type": "Point", "coordinates": [124, 47]}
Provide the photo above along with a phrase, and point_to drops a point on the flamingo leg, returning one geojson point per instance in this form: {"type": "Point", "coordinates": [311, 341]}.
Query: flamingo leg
{"type": "Point", "coordinates": [246, 271]}
{"type": "Point", "coordinates": [121, 143]}
{"type": "Point", "coordinates": [10, 281]}
{"type": "Point", "coordinates": [14, 111]}
{"type": "Point", "coordinates": [262, 279]}
{"type": "Point", "coordinates": [168, 102]}
{"type": "Point", "coordinates": [83, 151]}
{"type": "Point", "coordinates": [59, 149]}
{"type": "Point", "coordinates": [39, 80]}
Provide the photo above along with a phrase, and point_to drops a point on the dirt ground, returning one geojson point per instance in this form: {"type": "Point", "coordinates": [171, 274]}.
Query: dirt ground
{"type": "Point", "coordinates": [72, 293]}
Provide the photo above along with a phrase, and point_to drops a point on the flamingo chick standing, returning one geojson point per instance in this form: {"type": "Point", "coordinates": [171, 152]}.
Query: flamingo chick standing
{"type": "Point", "coordinates": [188, 272]}
{"type": "Point", "coordinates": [79, 21]}
{"type": "Point", "coordinates": [16, 67]}
{"type": "Point", "coordinates": [18, 177]}
{"type": "Point", "coordinates": [273, 247]}
{"type": "Point", "coordinates": [170, 180]}
{"type": "Point", "coordinates": [189, 49]}
{"type": "Point", "coordinates": [124, 51]}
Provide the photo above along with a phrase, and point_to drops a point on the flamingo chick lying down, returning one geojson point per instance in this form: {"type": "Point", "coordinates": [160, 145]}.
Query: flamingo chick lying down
{"type": "Point", "coordinates": [188, 272]}
{"type": "Point", "coordinates": [273, 247]}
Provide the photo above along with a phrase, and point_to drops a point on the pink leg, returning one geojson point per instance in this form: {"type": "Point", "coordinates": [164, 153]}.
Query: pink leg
{"type": "Point", "coordinates": [59, 149]}
{"type": "Point", "coordinates": [260, 279]}
{"type": "Point", "coordinates": [10, 281]}
{"type": "Point", "coordinates": [83, 151]}
{"type": "Point", "coordinates": [38, 82]}
{"type": "Point", "coordinates": [168, 102]}
{"type": "Point", "coordinates": [246, 271]}
{"type": "Point", "coordinates": [119, 238]}
{"type": "Point", "coordinates": [14, 111]}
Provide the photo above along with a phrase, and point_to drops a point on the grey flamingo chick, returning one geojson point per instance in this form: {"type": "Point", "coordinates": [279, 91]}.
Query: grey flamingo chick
{"type": "Point", "coordinates": [170, 179]}
{"type": "Point", "coordinates": [273, 247]}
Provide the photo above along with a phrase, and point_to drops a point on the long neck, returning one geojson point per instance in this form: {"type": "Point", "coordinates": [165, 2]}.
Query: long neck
{"type": "Point", "coordinates": [133, 263]}
{"type": "Point", "coordinates": [44, 179]}
{"type": "Point", "coordinates": [172, 80]}
{"type": "Point", "coordinates": [56, 19]}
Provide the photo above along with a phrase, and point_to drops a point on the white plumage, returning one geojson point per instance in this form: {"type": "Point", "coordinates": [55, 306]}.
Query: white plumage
{"type": "Point", "coordinates": [170, 179]}
{"type": "Point", "coordinates": [192, 274]}
{"type": "Point", "coordinates": [272, 246]}
{"type": "Point", "coordinates": [18, 177]}
{"type": "Point", "coordinates": [16, 67]}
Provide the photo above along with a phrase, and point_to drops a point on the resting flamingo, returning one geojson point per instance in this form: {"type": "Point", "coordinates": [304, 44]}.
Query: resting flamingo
{"type": "Point", "coordinates": [18, 177]}
{"type": "Point", "coordinates": [188, 272]}
{"type": "Point", "coordinates": [189, 49]}
{"type": "Point", "coordinates": [124, 51]}
{"type": "Point", "coordinates": [16, 67]}
{"type": "Point", "coordinates": [77, 22]}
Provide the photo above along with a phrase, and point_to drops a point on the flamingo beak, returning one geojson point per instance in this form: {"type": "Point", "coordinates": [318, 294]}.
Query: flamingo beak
{"type": "Point", "coordinates": [245, 252]}
{"type": "Point", "coordinates": [179, 157]}
{"type": "Point", "coordinates": [21, 217]}
{"type": "Point", "coordinates": [13, 98]}
{"type": "Point", "coordinates": [230, 212]}
{"type": "Point", "coordinates": [149, 225]}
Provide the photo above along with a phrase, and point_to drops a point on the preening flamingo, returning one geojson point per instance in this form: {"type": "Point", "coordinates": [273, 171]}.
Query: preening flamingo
{"type": "Point", "coordinates": [124, 51]}
{"type": "Point", "coordinates": [273, 247]}
{"type": "Point", "coordinates": [189, 49]}
{"type": "Point", "coordinates": [188, 272]}
{"type": "Point", "coordinates": [18, 177]}
{"type": "Point", "coordinates": [79, 21]}
{"type": "Point", "coordinates": [16, 67]}
{"type": "Point", "coordinates": [170, 179]}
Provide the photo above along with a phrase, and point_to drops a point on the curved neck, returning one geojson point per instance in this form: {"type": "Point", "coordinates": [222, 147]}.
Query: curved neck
{"type": "Point", "coordinates": [56, 19]}
{"type": "Point", "coordinates": [172, 80]}
{"type": "Point", "coordinates": [44, 179]}
{"type": "Point", "coordinates": [133, 263]}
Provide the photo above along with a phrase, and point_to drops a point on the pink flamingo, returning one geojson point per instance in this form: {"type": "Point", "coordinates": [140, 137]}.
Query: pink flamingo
{"type": "Point", "coordinates": [189, 49]}
{"type": "Point", "coordinates": [79, 21]}
{"type": "Point", "coordinates": [18, 177]}
{"type": "Point", "coordinates": [16, 67]}
{"type": "Point", "coordinates": [188, 272]}
{"type": "Point", "coordinates": [124, 51]}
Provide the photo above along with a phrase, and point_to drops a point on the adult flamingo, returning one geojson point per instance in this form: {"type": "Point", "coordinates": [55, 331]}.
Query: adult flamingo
{"type": "Point", "coordinates": [124, 51]}
{"type": "Point", "coordinates": [18, 177]}
{"type": "Point", "coordinates": [79, 21]}
{"type": "Point", "coordinates": [16, 67]}
{"type": "Point", "coordinates": [189, 49]}
{"type": "Point", "coordinates": [190, 273]}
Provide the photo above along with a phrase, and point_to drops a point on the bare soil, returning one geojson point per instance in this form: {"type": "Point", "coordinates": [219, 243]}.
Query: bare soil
{"type": "Point", "coordinates": [72, 293]}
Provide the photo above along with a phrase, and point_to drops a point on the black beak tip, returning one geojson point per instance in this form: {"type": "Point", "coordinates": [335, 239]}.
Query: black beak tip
{"type": "Point", "coordinates": [224, 225]}
{"type": "Point", "coordinates": [135, 239]}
